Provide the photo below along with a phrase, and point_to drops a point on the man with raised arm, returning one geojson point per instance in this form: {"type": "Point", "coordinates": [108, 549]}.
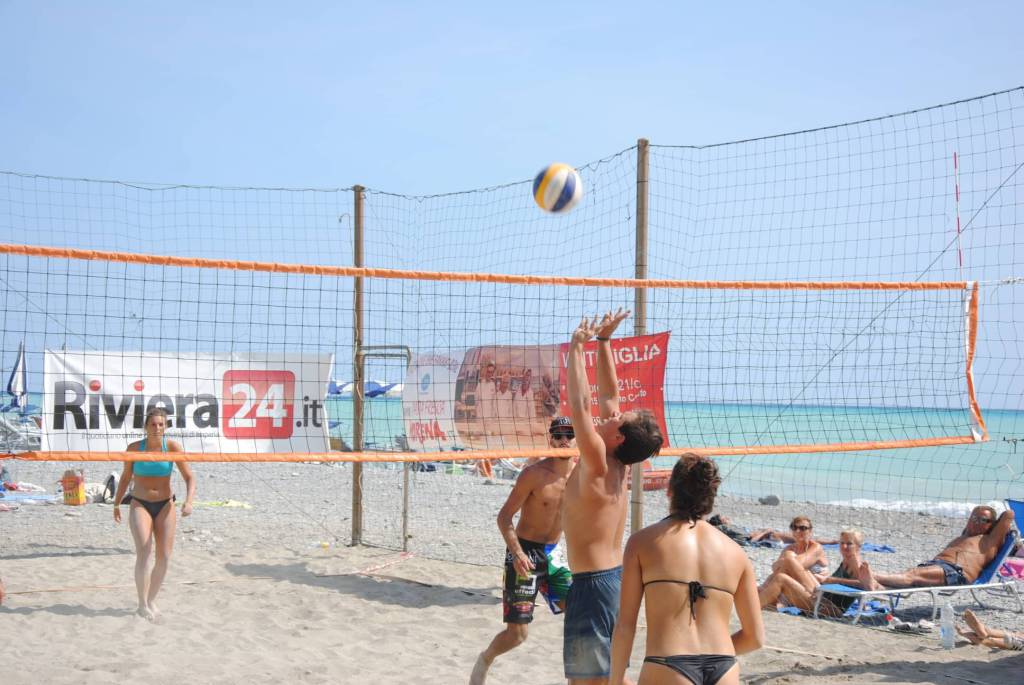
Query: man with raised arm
{"type": "Point", "coordinates": [596, 501]}
{"type": "Point", "coordinates": [529, 568]}
{"type": "Point", "coordinates": [960, 563]}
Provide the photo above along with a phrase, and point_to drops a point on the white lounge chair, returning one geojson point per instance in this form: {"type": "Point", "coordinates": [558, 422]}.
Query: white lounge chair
{"type": "Point", "coordinates": [989, 579]}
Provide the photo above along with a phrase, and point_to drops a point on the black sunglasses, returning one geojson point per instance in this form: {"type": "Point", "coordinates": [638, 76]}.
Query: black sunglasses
{"type": "Point", "coordinates": [801, 527]}
{"type": "Point", "coordinates": [562, 434]}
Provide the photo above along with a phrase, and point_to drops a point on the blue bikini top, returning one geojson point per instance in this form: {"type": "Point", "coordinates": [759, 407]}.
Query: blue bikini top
{"type": "Point", "coordinates": [152, 468]}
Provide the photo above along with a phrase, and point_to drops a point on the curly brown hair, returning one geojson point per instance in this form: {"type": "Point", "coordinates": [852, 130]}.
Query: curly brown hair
{"type": "Point", "coordinates": [693, 487]}
{"type": "Point", "coordinates": [642, 438]}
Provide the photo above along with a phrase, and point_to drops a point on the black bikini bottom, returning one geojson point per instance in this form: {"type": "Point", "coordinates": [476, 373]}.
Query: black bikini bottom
{"type": "Point", "coordinates": [701, 669]}
{"type": "Point", "coordinates": [152, 508]}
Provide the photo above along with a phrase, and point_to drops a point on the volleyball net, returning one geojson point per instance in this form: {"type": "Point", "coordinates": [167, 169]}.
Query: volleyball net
{"type": "Point", "coordinates": [812, 297]}
{"type": "Point", "coordinates": [747, 367]}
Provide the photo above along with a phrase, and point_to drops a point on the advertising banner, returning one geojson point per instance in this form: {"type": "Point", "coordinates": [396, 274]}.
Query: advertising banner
{"type": "Point", "coordinates": [428, 403]}
{"type": "Point", "coordinates": [238, 402]}
{"type": "Point", "coordinates": [640, 368]}
{"type": "Point", "coordinates": [503, 397]}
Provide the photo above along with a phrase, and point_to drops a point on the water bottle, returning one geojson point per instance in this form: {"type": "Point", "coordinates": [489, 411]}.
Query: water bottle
{"type": "Point", "coordinates": [947, 630]}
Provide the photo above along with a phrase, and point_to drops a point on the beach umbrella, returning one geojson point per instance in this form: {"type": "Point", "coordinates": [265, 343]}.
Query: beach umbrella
{"type": "Point", "coordinates": [17, 383]}
{"type": "Point", "coordinates": [370, 388]}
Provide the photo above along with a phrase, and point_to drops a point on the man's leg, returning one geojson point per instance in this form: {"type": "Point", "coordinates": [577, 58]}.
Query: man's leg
{"type": "Point", "coordinates": [508, 639]}
{"type": "Point", "coordinates": [921, 576]}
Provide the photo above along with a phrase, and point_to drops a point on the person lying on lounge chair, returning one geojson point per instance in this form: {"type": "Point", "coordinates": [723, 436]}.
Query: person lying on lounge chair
{"type": "Point", "coordinates": [980, 634]}
{"type": "Point", "coordinates": [962, 560]}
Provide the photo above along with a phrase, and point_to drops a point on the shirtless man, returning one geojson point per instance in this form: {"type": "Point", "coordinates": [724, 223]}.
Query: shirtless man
{"type": "Point", "coordinates": [960, 563]}
{"type": "Point", "coordinates": [596, 502]}
{"type": "Point", "coordinates": [537, 496]}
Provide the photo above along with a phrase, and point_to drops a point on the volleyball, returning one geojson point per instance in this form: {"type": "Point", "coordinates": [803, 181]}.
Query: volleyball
{"type": "Point", "coordinates": [557, 188]}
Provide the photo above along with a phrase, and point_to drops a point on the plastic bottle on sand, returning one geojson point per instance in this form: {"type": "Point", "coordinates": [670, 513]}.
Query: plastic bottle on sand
{"type": "Point", "coordinates": [947, 631]}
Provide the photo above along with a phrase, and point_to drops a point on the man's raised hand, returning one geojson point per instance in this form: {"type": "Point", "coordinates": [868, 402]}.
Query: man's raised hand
{"type": "Point", "coordinates": [610, 321]}
{"type": "Point", "coordinates": [585, 331]}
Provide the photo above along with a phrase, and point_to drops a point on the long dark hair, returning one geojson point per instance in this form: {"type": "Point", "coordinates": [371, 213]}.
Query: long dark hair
{"type": "Point", "coordinates": [693, 487]}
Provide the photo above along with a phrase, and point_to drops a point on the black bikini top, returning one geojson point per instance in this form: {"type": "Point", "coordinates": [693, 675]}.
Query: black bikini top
{"type": "Point", "coordinates": [697, 590]}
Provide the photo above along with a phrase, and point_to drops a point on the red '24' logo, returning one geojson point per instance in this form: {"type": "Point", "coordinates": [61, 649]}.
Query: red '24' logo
{"type": "Point", "coordinates": [258, 404]}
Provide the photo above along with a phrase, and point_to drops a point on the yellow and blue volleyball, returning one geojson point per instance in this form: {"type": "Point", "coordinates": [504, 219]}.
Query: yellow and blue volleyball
{"type": "Point", "coordinates": [557, 188]}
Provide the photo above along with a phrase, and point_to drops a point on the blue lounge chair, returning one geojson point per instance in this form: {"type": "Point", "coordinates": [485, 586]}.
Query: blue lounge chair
{"type": "Point", "coordinates": [989, 580]}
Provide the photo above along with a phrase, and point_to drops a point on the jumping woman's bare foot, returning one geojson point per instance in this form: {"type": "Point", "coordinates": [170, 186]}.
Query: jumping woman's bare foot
{"type": "Point", "coordinates": [144, 612]}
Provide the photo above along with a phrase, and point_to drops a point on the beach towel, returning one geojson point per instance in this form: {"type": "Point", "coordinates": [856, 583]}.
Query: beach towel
{"type": "Point", "coordinates": [1012, 568]}
{"type": "Point", "coordinates": [873, 608]}
{"type": "Point", "coordinates": [30, 497]}
{"type": "Point", "coordinates": [229, 503]}
{"type": "Point", "coordinates": [866, 547]}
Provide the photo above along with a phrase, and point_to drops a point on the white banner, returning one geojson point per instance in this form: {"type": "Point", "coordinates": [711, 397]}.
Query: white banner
{"type": "Point", "coordinates": [428, 403]}
{"type": "Point", "coordinates": [97, 401]}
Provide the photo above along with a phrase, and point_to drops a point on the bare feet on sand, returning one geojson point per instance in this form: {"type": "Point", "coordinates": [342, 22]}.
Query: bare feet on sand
{"type": "Point", "coordinates": [144, 612]}
{"type": "Point", "coordinates": [479, 675]}
{"type": "Point", "coordinates": [974, 624]}
{"type": "Point", "coordinates": [867, 578]}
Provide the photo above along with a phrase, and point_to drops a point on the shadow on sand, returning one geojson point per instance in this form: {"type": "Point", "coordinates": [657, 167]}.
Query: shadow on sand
{"type": "Point", "coordinates": [383, 589]}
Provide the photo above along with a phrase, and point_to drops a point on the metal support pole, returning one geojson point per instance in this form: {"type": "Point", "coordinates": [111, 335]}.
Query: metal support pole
{"type": "Point", "coordinates": [393, 352]}
{"type": "Point", "coordinates": [640, 311]}
{"type": "Point", "coordinates": [405, 506]}
{"type": "Point", "coordinates": [357, 368]}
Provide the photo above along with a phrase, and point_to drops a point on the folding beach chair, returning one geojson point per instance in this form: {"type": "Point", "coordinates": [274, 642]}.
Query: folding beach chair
{"type": "Point", "coordinates": [989, 579]}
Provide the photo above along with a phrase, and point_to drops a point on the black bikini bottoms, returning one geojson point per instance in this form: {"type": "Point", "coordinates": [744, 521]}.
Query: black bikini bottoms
{"type": "Point", "coordinates": [152, 508]}
{"type": "Point", "coordinates": [701, 669]}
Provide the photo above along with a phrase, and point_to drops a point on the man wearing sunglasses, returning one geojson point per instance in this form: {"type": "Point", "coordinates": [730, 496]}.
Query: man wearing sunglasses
{"type": "Point", "coordinates": [961, 562]}
{"type": "Point", "coordinates": [529, 567]}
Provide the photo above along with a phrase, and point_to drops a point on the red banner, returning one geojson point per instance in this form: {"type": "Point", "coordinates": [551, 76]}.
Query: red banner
{"type": "Point", "coordinates": [640, 368]}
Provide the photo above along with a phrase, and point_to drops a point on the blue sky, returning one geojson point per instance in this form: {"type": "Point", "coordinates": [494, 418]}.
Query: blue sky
{"type": "Point", "coordinates": [422, 98]}
{"type": "Point", "coordinates": [434, 97]}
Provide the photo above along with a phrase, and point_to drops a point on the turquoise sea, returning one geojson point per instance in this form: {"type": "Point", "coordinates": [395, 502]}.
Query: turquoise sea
{"type": "Point", "coordinates": [941, 480]}
{"type": "Point", "coordinates": [937, 479]}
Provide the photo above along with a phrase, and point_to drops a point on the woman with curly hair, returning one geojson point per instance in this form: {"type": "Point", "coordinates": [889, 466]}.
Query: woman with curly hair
{"type": "Point", "coordinates": [692, 577]}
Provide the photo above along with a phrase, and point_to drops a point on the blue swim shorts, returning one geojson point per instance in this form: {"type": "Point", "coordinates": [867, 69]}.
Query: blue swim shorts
{"type": "Point", "coordinates": [954, 574]}
{"type": "Point", "coordinates": [591, 611]}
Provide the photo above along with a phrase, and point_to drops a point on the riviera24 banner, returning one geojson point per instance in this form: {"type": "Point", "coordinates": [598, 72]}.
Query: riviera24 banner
{"type": "Point", "coordinates": [237, 402]}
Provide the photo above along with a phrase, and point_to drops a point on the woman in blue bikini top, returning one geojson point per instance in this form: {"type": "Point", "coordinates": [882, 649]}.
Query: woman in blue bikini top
{"type": "Point", "coordinates": [692, 575]}
{"type": "Point", "coordinates": [151, 516]}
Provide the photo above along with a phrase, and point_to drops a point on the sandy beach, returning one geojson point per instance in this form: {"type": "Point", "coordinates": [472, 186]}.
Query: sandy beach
{"type": "Point", "coordinates": [272, 592]}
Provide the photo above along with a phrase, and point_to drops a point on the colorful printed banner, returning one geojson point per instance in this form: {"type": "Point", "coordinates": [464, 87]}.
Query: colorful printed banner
{"type": "Point", "coordinates": [640, 368]}
{"type": "Point", "coordinates": [504, 397]}
{"type": "Point", "coordinates": [97, 401]}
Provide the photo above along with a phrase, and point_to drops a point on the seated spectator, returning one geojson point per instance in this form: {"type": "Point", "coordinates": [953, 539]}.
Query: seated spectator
{"type": "Point", "coordinates": [804, 551]}
{"type": "Point", "coordinates": [980, 634]}
{"type": "Point", "coordinates": [963, 559]}
{"type": "Point", "coordinates": [804, 555]}
{"type": "Point", "coordinates": [796, 585]}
